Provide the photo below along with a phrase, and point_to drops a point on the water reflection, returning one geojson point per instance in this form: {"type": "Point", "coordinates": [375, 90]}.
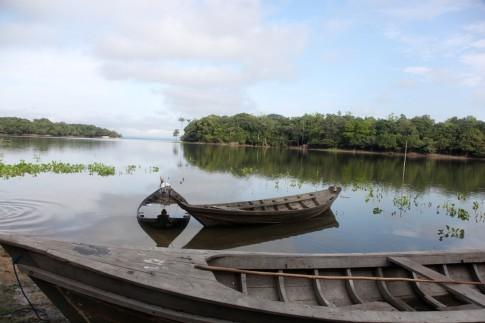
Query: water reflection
{"type": "Point", "coordinates": [43, 144]}
{"type": "Point", "coordinates": [102, 210]}
{"type": "Point", "coordinates": [343, 169]}
{"type": "Point", "coordinates": [218, 238]}
{"type": "Point", "coordinates": [162, 237]}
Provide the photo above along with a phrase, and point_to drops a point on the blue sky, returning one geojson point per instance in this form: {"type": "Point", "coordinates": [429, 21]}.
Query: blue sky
{"type": "Point", "coordinates": [137, 66]}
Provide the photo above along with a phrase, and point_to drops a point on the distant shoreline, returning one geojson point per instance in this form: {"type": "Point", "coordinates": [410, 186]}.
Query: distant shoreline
{"type": "Point", "coordinates": [3, 135]}
{"type": "Point", "coordinates": [410, 155]}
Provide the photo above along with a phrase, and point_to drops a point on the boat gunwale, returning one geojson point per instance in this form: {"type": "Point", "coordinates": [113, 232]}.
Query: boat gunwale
{"type": "Point", "coordinates": [328, 190]}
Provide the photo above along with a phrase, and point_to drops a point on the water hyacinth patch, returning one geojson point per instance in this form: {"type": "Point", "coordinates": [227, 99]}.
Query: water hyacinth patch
{"type": "Point", "coordinates": [101, 169]}
{"type": "Point", "coordinates": [22, 168]}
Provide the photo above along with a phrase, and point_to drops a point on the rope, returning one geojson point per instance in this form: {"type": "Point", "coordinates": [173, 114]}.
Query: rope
{"type": "Point", "coordinates": [290, 275]}
{"type": "Point", "coordinates": [36, 312]}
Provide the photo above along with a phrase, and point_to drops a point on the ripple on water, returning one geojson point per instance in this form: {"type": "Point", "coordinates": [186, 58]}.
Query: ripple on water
{"type": "Point", "coordinates": [25, 215]}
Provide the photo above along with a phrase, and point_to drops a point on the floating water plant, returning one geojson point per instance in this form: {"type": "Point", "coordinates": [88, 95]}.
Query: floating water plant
{"type": "Point", "coordinates": [101, 169]}
{"type": "Point", "coordinates": [463, 214]}
{"type": "Point", "coordinates": [377, 210]}
{"type": "Point", "coordinates": [475, 206]}
{"type": "Point", "coordinates": [246, 171]}
{"type": "Point", "coordinates": [451, 232]}
{"type": "Point", "coordinates": [154, 169]}
{"type": "Point", "coordinates": [402, 202]}
{"type": "Point", "coordinates": [130, 169]}
{"type": "Point", "coordinates": [21, 168]}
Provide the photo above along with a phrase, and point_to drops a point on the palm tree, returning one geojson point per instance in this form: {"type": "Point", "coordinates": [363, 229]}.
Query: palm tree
{"type": "Point", "coordinates": [182, 120]}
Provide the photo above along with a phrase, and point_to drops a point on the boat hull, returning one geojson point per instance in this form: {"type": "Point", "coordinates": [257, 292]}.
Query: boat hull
{"type": "Point", "coordinates": [222, 219]}
{"type": "Point", "coordinates": [101, 284]}
{"type": "Point", "coordinates": [289, 209]}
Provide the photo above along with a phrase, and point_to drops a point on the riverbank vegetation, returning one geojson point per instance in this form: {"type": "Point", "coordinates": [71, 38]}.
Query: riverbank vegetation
{"type": "Point", "coordinates": [44, 127]}
{"type": "Point", "coordinates": [455, 136]}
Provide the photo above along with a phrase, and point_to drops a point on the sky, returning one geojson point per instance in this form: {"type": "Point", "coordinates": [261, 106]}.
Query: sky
{"type": "Point", "coordinates": [138, 66]}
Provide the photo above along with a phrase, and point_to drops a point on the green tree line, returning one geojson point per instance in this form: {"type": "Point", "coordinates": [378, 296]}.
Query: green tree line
{"type": "Point", "coordinates": [457, 136]}
{"type": "Point", "coordinates": [44, 127]}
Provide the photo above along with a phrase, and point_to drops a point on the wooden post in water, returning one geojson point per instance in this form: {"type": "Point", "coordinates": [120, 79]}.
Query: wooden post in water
{"type": "Point", "coordinates": [404, 164]}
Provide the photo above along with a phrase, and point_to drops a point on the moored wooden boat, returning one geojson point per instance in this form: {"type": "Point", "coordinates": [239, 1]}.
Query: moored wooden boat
{"type": "Point", "coordinates": [96, 284]}
{"type": "Point", "coordinates": [287, 209]}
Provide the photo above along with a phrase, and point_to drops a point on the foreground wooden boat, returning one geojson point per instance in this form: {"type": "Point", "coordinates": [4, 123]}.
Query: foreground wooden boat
{"type": "Point", "coordinates": [285, 209]}
{"type": "Point", "coordinates": [101, 284]}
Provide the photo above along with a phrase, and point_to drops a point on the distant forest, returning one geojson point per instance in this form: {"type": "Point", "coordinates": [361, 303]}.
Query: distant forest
{"type": "Point", "coordinates": [465, 136]}
{"type": "Point", "coordinates": [44, 127]}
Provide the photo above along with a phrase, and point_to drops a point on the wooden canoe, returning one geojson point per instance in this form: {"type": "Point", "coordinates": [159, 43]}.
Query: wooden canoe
{"type": "Point", "coordinates": [285, 209]}
{"type": "Point", "coordinates": [90, 283]}
{"type": "Point", "coordinates": [219, 238]}
{"type": "Point", "coordinates": [165, 198]}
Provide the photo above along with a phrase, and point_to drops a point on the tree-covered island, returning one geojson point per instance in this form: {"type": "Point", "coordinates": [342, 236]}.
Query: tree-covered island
{"type": "Point", "coordinates": [44, 127]}
{"type": "Point", "coordinates": [455, 136]}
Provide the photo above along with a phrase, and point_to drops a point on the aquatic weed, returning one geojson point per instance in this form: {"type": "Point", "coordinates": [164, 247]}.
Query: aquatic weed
{"type": "Point", "coordinates": [154, 169]}
{"type": "Point", "coordinates": [377, 210]}
{"type": "Point", "coordinates": [402, 202]}
{"type": "Point", "coordinates": [130, 169]}
{"type": "Point", "coordinates": [451, 232]}
{"type": "Point", "coordinates": [101, 169]}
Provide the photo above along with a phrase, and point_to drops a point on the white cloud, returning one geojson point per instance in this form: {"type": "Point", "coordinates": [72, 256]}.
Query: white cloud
{"type": "Point", "coordinates": [472, 80]}
{"type": "Point", "coordinates": [477, 28]}
{"type": "Point", "coordinates": [175, 74]}
{"type": "Point", "coordinates": [66, 86]}
{"type": "Point", "coordinates": [479, 43]}
{"type": "Point", "coordinates": [197, 102]}
{"type": "Point", "coordinates": [337, 25]}
{"type": "Point", "coordinates": [418, 70]}
{"type": "Point", "coordinates": [475, 60]}
{"type": "Point", "coordinates": [201, 55]}
{"type": "Point", "coordinates": [424, 10]}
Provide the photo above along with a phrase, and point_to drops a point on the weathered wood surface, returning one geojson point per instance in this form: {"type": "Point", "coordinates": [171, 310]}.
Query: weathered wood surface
{"type": "Point", "coordinates": [477, 276]}
{"type": "Point", "coordinates": [163, 282]}
{"type": "Point", "coordinates": [386, 293]}
{"type": "Point", "coordinates": [277, 261]}
{"type": "Point", "coordinates": [287, 209]}
{"type": "Point", "coordinates": [460, 291]}
{"type": "Point", "coordinates": [321, 299]}
{"type": "Point", "coordinates": [348, 278]}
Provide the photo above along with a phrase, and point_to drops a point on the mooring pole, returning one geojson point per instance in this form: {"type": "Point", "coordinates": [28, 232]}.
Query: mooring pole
{"type": "Point", "coordinates": [404, 164]}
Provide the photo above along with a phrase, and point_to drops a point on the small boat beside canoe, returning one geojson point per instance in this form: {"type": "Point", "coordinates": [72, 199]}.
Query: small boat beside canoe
{"type": "Point", "coordinates": [287, 209]}
{"type": "Point", "coordinates": [164, 197]}
{"type": "Point", "coordinates": [91, 283]}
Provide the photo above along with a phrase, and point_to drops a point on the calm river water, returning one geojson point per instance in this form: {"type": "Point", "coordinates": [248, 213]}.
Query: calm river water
{"type": "Point", "coordinates": [438, 204]}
